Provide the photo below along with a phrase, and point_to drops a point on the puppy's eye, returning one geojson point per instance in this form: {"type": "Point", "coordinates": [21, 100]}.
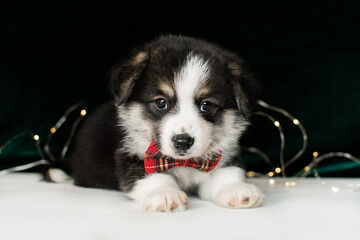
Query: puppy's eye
{"type": "Point", "coordinates": [206, 106]}
{"type": "Point", "coordinates": [161, 103]}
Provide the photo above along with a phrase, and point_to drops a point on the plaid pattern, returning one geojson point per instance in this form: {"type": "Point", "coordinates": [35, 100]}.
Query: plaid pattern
{"type": "Point", "coordinates": [155, 161]}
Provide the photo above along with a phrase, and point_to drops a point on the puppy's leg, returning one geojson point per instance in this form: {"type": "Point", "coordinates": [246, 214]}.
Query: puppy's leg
{"type": "Point", "coordinates": [226, 187]}
{"type": "Point", "coordinates": [159, 192]}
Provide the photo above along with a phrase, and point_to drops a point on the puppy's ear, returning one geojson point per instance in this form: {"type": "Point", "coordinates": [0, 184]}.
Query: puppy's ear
{"type": "Point", "coordinates": [124, 76]}
{"type": "Point", "coordinates": [246, 87]}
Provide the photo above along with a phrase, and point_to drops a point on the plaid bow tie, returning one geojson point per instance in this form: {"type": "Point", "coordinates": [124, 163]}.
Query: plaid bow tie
{"type": "Point", "coordinates": [155, 161]}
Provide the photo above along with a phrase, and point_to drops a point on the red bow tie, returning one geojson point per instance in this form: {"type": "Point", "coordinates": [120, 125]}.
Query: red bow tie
{"type": "Point", "coordinates": [155, 161]}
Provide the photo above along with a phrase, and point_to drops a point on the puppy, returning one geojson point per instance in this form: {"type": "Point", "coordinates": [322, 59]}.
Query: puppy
{"type": "Point", "coordinates": [180, 106]}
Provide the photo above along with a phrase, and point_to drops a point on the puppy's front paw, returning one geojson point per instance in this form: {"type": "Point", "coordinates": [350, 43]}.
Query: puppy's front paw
{"type": "Point", "coordinates": [166, 200]}
{"type": "Point", "coordinates": [240, 196]}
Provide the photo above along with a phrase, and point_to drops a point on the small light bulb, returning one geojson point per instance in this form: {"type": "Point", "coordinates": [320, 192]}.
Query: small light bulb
{"type": "Point", "coordinates": [293, 184]}
{"type": "Point", "coordinates": [278, 170]}
{"type": "Point", "coordinates": [296, 122]}
{"type": "Point", "coordinates": [271, 174]}
{"type": "Point", "coordinates": [53, 130]}
{"type": "Point", "coordinates": [307, 168]}
{"type": "Point", "coordinates": [335, 189]}
{"type": "Point", "coordinates": [315, 154]}
{"type": "Point", "coordinates": [250, 174]}
{"type": "Point", "coordinates": [277, 124]}
{"type": "Point", "coordinates": [36, 137]}
{"type": "Point", "coordinates": [83, 112]}
{"type": "Point", "coordinates": [287, 184]}
{"type": "Point", "coordinates": [271, 181]}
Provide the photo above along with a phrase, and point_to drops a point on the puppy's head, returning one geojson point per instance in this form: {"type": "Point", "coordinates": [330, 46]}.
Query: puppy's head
{"type": "Point", "coordinates": [189, 96]}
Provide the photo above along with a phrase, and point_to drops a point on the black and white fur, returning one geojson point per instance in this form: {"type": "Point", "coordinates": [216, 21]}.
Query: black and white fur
{"type": "Point", "coordinates": [173, 86]}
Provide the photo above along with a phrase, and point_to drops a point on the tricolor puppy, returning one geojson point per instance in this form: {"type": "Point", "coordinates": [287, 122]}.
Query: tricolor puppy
{"type": "Point", "coordinates": [173, 129]}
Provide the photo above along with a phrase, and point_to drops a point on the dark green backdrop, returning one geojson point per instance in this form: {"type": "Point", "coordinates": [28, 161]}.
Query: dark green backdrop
{"type": "Point", "coordinates": [306, 53]}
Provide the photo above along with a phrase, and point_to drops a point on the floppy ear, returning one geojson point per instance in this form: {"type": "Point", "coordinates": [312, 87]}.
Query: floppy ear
{"type": "Point", "coordinates": [123, 77]}
{"type": "Point", "coordinates": [246, 87]}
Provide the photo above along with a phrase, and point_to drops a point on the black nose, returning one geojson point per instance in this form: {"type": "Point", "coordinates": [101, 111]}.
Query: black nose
{"type": "Point", "coordinates": [183, 141]}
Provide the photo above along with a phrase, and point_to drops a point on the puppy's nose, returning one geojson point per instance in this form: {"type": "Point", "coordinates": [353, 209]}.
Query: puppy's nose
{"type": "Point", "coordinates": [183, 141]}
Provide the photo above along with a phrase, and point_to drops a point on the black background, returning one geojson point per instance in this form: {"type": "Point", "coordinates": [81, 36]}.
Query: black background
{"type": "Point", "coordinates": [305, 53]}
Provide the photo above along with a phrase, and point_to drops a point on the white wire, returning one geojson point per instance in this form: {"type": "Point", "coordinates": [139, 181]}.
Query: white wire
{"type": "Point", "coordinates": [24, 167]}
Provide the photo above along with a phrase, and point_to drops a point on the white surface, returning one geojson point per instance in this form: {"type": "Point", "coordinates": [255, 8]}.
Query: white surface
{"type": "Point", "coordinates": [32, 209]}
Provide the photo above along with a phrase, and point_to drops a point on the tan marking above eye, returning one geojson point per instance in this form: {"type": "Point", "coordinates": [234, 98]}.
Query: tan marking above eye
{"type": "Point", "coordinates": [203, 92]}
{"type": "Point", "coordinates": [167, 89]}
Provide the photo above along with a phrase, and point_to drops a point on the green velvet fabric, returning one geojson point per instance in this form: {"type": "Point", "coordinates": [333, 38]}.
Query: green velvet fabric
{"type": "Point", "coordinates": [306, 54]}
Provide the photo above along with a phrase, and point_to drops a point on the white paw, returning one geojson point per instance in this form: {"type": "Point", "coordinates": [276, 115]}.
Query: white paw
{"type": "Point", "coordinates": [166, 200]}
{"type": "Point", "coordinates": [240, 196]}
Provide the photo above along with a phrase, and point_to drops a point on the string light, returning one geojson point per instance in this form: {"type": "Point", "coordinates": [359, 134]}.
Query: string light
{"type": "Point", "coordinates": [59, 123]}
{"type": "Point", "coordinates": [53, 130]}
{"type": "Point", "coordinates": [8, 142]}
{"type": "Point", "coordinates": [282, 138]}
{"type": "Point", "coordinates": [297, 123]}
{"type": "Point", "coordinates": [275, 170]}
{"type": "Point", "coordinates": [24, 167]}
{"type": "Point", "coordinates": [307, 169]}
{"type": "Point", "coordinates": [36, 138]}
{"type": "Point", "coordinates": [290, 184]}
{"type": "Point", "coordinates": [72, 132]}
{"type": "Point", "coordinates": [250, 174]}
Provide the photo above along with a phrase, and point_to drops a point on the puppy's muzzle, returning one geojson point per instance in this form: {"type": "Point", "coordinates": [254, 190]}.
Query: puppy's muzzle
{"type": "Point", "coordinates": [183, 141]}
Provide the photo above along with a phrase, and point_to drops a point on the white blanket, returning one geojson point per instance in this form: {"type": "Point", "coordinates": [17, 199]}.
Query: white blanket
{"type": "Point", "coordinates": [33, 209]}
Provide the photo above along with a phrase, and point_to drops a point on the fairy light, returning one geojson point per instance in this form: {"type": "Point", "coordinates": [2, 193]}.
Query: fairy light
{"type": "Point", "coordinates": [59, 123]}
{"type": "Point", "coordinates": [36, 139]}
{"type": "Point", "coordinates": [83, 112]}
{"type": "Point", "coordinates": [307, 169]}
{"type": "Point", "coordinates": [305, 172]}
{"type": "Point", "coordinates": [8, 142]}
{"type": "Point", "coordinates": [250, 174]}
{"type": "Point", "coordinates": [282, 138]}
{"type": "Point", "coordinates": [53, 130]}
{"type": "Point", "coordinates": [295, 122]}
{"type": "Point", "coordinates": [290, 184]}
{"type": "Point", "coordinates": [72, 132]}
